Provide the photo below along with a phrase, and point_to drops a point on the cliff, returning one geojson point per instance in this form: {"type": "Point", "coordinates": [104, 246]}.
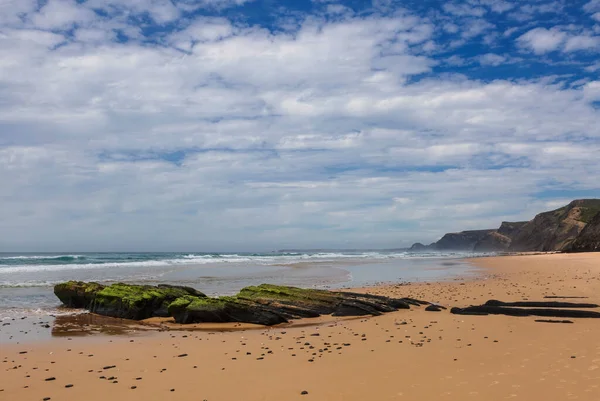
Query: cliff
{"type": "Point", "coordinates": [499, 240]}
{"type": "Point", "coordinates": [574, 227]}
{"type": "Point", "coordinates": [462, 241]}
{"type": "Point", "coordinates": [555, 230]}
{"type": "Point", "coordinates": [589, 238]}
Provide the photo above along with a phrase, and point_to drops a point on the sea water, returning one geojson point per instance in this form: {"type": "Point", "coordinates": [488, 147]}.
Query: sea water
{"type": "Point", "coordinates": [27, 279]}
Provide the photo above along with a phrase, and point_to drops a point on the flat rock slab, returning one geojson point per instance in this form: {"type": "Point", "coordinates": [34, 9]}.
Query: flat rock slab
{"type": "Point", "coordinates": [511, 311]}
{"type": "Point", "coordinates": [536, 304]}
{"type": "Point", "coordinates": [553, 321]}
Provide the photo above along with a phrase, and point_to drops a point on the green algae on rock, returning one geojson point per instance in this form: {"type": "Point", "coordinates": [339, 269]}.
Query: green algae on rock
{"type": "Point", "coordinates": [77, 294]}
{"type": "Point", "coordinates": [127, 301]}
{"type": "Point", "coordinates": [138, 302]}
{"type": "Point", "coordinates": [268, 304]}
{"type": "Point", "coordinates": [223, 310]}
{"type": "Point", "coordinates": [265, 304]}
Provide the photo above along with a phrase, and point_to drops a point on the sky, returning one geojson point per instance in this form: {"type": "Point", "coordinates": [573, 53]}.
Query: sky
{"type": "Point", "coordinates": [222, 125]}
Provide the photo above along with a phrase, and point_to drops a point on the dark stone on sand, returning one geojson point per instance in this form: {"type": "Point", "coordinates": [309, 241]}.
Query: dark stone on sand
{"type": "Point", "coordinates": [433, 308]}
{"type": "Point", "coordinates": [304, 392]}
{"type": "Point", "coordinates": [511, 311]}
{"type": "Point", "coordinates": [531, 304]}
{"type": "Point", "coordinates": [49, 379]}
{"type": "Point", "coordinates": [553, 321]}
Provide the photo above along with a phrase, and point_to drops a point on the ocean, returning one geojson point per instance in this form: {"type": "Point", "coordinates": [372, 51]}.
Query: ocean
{"type": "Point", "coordinates": [27, 279]}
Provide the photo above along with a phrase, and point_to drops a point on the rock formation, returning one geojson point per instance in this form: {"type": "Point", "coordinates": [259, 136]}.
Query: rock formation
{"type": "Point", "coordinates": [418, 247]}
{"type": "Point", "coordinates": [462, 241]}
{"type": "Point", "coordinates": [264, 304]}
{"type": "Point", "coordinates": [529, 308]}
{"type": "Point", "coordinates": [589, 238]}
{"type": "Point", "coordinates": [492, 242]}
{"type": "Point", "coordinates": [126, 301]}
{"type": "Point", "coordinates": [555, 230]}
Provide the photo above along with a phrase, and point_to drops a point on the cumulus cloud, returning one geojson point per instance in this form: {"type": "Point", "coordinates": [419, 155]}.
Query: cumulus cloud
{"type": "Point", "coordinates": [492, 59]}
{"type": "Point", "coordinates": [217, 133]}
{"type": "Point", "coordinates": [542, 40]}
{"type": "Point", "coordinates": [582, 42]}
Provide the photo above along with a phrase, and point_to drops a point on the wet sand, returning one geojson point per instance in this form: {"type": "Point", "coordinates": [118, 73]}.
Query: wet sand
{"type": "Point", "coordinates": [405, 355]}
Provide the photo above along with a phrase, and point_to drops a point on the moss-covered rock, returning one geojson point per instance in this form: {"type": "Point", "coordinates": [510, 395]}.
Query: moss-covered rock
{"type": "Point", "coordinates": [265, 304]}
{"type": "Point", "coordinates": [77, 294]}
{"type": "Point", "coordinates": [270, 304]}
{"type": "Point", "coordinates": [221, 310]}
{"type": "Point", "coordinates": [138, 302]}
{"type": "Point", "coordinates": [126, 301]}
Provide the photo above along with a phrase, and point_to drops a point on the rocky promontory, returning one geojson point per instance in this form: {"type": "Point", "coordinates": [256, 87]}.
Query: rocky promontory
{"type": "Point", "coordinates": [563, 229]}
{"type": "Point", "coordinates": [265, 304]}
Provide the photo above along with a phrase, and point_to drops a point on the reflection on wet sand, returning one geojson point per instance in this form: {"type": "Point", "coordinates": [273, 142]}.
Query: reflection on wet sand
{"type": "Point", "coordinates": [84, 324]}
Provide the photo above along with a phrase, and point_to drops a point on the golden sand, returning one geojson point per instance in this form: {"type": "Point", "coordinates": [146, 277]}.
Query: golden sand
{"type": "Point", "coordinates": [405, 355]}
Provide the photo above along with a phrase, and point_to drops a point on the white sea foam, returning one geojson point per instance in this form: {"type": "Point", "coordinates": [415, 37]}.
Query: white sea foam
{"type": "Point", "coordinates": [38, 257]}
{"type": "Point", "coordinates": [191, 259]}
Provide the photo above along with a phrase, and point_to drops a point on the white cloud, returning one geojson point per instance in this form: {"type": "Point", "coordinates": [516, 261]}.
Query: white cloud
{"type": "Point", "coordinates": [592, 6]}
{"type": "Point", "coordinates": [492, 59]}
{"type": "Point", "coordinates": [542, 40]}
{"type": "Point", "coordinates": [61, 15]}
{"type": "Point", "coordinates": [582, 42]}
{"type": "Point", "coordinates": [318, 136]}
{"type": "Point", "coordinates": [463, 9]}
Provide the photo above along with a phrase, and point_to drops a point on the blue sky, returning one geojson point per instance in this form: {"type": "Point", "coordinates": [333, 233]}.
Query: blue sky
{"type": "Point", "coordinates": [258, 125]}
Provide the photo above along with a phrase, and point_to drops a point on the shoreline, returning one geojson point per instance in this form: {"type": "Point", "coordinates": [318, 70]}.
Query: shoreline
{"type": "Point", "coordinates": [404, 355]}
{"type": "Point", "coordinates": [82, 324]}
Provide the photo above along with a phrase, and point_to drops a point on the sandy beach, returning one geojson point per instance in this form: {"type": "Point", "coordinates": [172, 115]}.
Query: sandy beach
{"type": "Point", "coordinates": [404, 355]}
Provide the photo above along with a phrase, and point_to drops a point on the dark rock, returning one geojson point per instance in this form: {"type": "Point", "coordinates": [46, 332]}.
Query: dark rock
{"type": "Point", "coordinates": [510, 311]}
{"type": "Point", "coordinates": [553, 321]}
{"type": "Point", "coordinates": [433, 308]}
{"type": "Point", "coordinates": [77, 294]}
{"type": "Point", "coordinates": [269, 304]}
{"type": "Point", "coordinates": [265, 304]}
{"type": "Point", "coordinates": [120, 300]}
{"type": "Point", "coordinates": [531, 304]}
{"type": "Point", "coordinates": [137, 302]}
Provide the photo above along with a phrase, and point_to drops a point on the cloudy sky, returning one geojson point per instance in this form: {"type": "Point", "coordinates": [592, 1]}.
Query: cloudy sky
{"type": "Point", "coordinates": [264, 124]}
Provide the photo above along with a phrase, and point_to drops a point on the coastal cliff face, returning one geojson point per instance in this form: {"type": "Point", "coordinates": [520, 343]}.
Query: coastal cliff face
{"type": "Point", "coordinates": [492, 242]}
{"type": "Point", "coordinates": [589, 239]}
{"type": "Point", "coordinates": [462, 241]}
{"type": "Point", "coordinates": [557, 229]}
{"type": "Point", "coordinates": [574, 227]}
